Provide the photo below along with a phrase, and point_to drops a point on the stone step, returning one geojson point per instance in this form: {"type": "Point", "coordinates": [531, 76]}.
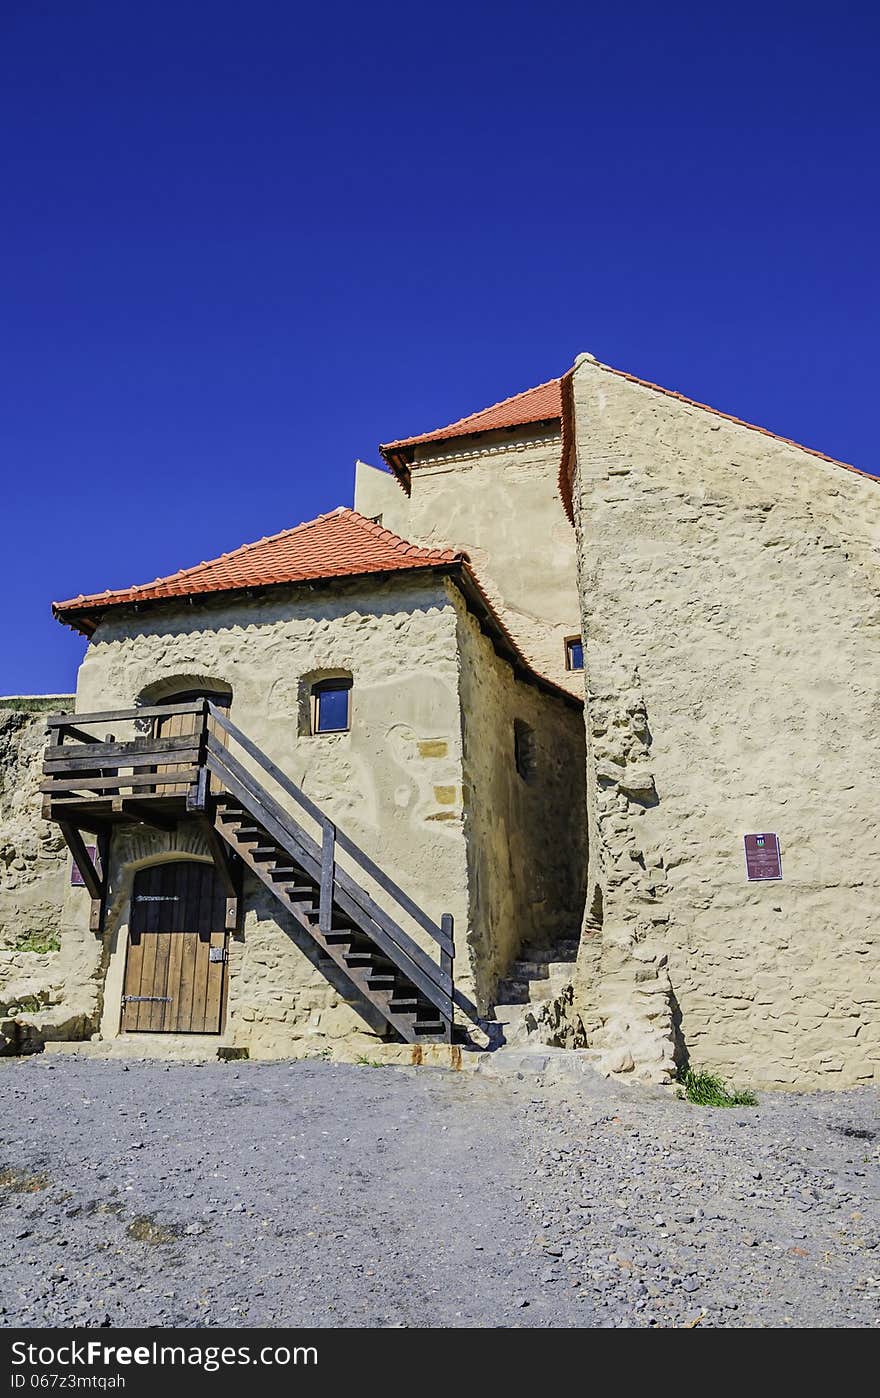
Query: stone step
{"type": "Point", "coordinates": [508, 1014]}
{"type": "Point", "coordinates": [180, 1048]}
{"type": "Point", "coordinates": [513, 993]}
{"type": "Point", "coordinates": [560, 970]}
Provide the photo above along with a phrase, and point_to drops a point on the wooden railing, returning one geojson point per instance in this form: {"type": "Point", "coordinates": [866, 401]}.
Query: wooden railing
{"type": "Point", "coordinates": [319, 856]}
{"type": "Point", "coordinates": [79, 766]}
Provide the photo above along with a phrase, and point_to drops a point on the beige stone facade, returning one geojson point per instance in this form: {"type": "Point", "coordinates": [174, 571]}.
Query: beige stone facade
{"type": "Point", "coordinates": [727, 587]}
{"type": "Point", "coordinates": [495, 496]}
{"type": "Point", "coordinates": [33, 875]}
{"type": "Point", "coordinates": [406, 783]}
{"type": "Point", "coordinates": [731, 606]}
{"type": "Point", "coordinates": [525, 834]}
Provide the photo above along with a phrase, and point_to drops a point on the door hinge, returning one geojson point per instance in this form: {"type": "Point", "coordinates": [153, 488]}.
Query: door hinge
{"type": "Point", "coordinates": [146, 999]}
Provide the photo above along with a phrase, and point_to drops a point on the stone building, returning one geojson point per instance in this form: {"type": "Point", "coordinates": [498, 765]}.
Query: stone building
{"type": "Point", "coordinates": [701, 592]}
{"type": "Point", "coordinates": [377, 678]}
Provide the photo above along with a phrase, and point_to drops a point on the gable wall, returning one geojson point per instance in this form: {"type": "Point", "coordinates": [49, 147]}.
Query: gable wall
{"type": "Point", "coordinates": [731, 605]}
{"type": "Point", "coordinates": [496, 497]}
{"type": "Point", "coordinates": [525, 838]}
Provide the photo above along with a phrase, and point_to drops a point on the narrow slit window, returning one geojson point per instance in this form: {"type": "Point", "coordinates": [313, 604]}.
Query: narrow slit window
{"type": "Point", "coordinates": [574, 653]}
{"type": "Point", "coordinates": [331, 706]}
{"type": "Point", "coordinates": [524, 749]}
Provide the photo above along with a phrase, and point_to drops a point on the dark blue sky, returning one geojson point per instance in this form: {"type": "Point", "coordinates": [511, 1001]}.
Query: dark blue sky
{"type": "Point", "coordinates": [243, 243]}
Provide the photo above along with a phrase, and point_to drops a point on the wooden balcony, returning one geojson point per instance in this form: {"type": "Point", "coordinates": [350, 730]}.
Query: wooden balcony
{"type": "Point", "coordinates": [92, 783]}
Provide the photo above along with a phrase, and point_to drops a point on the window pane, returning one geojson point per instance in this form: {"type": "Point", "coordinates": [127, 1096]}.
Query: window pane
{"type": "Point", "coordinates": [575, 655]}
{"type": "Point", "coordinates": [333, 710]}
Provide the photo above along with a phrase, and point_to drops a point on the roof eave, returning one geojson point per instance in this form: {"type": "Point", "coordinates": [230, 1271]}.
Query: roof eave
{"type": "Point", "coordinates": [504, 645]}
{"type": "Point", "coordinates": [87, 619]}
{"type": "Point", "coordinates": [459, 569]}
{"type": "Point", "coordinates": [399, 456]}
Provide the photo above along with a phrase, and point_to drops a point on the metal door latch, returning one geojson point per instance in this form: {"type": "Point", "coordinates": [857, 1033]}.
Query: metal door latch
{"type": "Point", "coordinates": [218, 954]}
{"type": "Point", "coordinates": [146, 999]}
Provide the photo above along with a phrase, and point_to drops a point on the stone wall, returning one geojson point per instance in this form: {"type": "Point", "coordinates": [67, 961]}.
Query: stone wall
{"type": "Point", "coordinates": [730, 591]}
{"type": "Point", "coordinates": [495, 496]}
{"type": "Point", "coordinates": [525, 835]}
{"type": "Point", "coordinates": [394, 782]}
{"type": "Point", "coordinates": [278, 1003]}
{"type": "Point", "coordinates": [34, 872]}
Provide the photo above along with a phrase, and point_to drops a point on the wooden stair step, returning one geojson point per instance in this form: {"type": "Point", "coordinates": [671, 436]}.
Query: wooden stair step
{"type": "Point", "coordinates": [346, 944]}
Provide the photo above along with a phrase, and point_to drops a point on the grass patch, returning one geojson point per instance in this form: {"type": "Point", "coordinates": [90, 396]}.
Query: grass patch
{"type": "Point", "coordinates": [28, 1004]}
{"type": "Point", "coordinates": [20, 1182]}
{"type": "Point", "coordinates": [36, 703]}
{"type": "Point", "coordinates": [37, 941]}
{"type": "Point", "coordinates": [364, 1062]}
{"type": "Point", "coordinates": [707, 1090]}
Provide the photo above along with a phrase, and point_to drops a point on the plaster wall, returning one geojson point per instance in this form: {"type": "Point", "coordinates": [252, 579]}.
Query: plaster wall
{"type": "Point", "coordinates": [377, 492]}
{"type": "Point", "coordinates": [526, 838]}
{"type": "Point", "coordinates": [34, 873]}
{"type": "Point", "coordinates": [730, 593]}
{"type": "Point", "coordinates": [394, 782]}
{"type": "Point", "coordinates": [496, 497]}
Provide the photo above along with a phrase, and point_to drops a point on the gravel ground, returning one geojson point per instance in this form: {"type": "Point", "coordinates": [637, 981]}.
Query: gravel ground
{"type": "Point", "coordinates": [319, 1194]}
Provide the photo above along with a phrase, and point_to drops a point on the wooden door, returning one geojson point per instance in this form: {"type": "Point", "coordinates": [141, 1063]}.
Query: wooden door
{"type": "Point", "coordinates": [175, 971]}
{"type": "Point", "coordinates": [178, 725]}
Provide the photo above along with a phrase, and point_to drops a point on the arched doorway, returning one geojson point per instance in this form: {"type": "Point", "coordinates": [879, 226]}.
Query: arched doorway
{"type": "Point", "coordinates": [175, 969]}
{"type": "Point", "coordinates": [178, 725]}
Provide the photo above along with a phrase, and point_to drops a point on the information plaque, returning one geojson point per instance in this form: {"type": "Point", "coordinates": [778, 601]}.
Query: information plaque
{"type": "Point", "coordinates": [763, 859]}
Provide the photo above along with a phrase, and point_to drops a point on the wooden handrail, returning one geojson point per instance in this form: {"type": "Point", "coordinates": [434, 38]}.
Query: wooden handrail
{"type": "Point", "coordinates": [385, 931]}
{"type": "Point", "coordinates": [62, 757]}
{"type": "Point", "coordinates": [418, 915]}
{"type": "Point", "coordinates": [122, 715]}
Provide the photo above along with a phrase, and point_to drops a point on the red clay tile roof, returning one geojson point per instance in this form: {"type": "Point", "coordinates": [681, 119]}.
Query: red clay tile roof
{"type": "Point", "coordinates": [340, 544]}
{"type": "Point", "coordinates": [541, 404]}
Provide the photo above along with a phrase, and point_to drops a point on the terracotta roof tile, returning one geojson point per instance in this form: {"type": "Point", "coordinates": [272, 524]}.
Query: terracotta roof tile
{"type": "Point", "coordinates": [540, 404]}
{"type": "Point", "coordinates": [340, 544]}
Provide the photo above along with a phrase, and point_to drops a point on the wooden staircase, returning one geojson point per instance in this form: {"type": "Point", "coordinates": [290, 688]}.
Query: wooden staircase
{"type": "Point", "coordinates": [414, 1005]}
{"type": "Point", "coordinates": [254, 816]}
{"type": "Point", "coordinates": [411, 991]}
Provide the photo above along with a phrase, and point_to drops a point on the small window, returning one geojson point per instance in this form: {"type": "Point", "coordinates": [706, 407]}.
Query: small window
{"type": "Point", "coordinates": [331, 706]}
{"type": "Point", "coordinates": [574, 653]}
{"type": "Point", "coordinates": [524, 749]}
{"type": "Point", "coordinates": [376, 519]}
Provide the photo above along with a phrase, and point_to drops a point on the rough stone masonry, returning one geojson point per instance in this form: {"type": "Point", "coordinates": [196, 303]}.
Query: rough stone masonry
{"type": "Point", "coordinates": [730, 592]}
{"type": "Point", "coordinates": [33, 874]}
